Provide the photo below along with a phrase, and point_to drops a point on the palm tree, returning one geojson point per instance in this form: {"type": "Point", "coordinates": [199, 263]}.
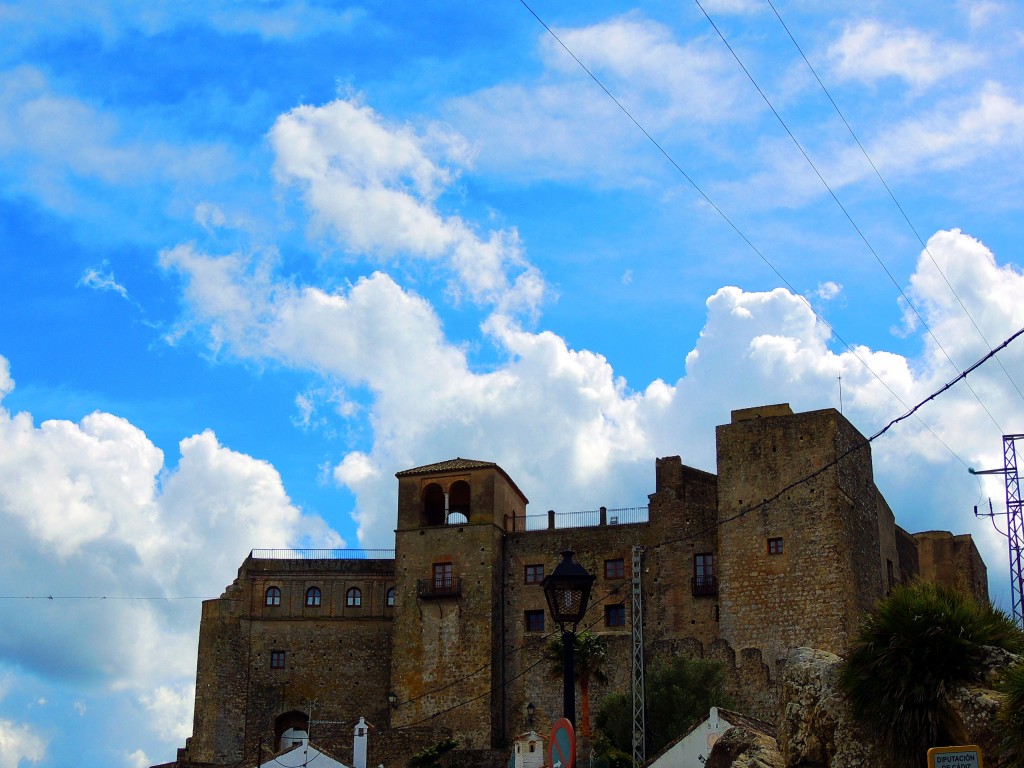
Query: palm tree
{"type": "Point", "coordinates": [591, 653]}
{"type": "Point", "coordinates": [917, 644]}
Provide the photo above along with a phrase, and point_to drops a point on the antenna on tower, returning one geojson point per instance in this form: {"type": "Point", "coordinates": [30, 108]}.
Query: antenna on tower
{"type": "Point", "coordinates": [1014, 522]}
{"type": "Point", "coordinates": [840, 393]}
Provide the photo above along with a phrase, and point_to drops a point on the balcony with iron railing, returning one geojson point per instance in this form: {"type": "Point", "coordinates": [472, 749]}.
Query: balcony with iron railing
{"type": "Point", "coordinates": [447, 586]}
{"type": "Point", "coordinates": [704, 586]}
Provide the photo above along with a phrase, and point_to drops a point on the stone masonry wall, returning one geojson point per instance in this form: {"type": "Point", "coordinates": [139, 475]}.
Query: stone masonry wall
{"type": "Point", "coordinates": [799, 571]}
{"type": "Point", "coordinates": [953, 561]}
{"type": "Point", "coordinates": [447, 647]}
{"type": "Point", "coordinates": [327, 648]}
{"type": "Point", "coordinates": [802, 569]}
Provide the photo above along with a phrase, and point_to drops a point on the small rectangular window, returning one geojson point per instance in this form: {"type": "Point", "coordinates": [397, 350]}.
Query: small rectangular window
{"type": "Point", "coordinates": [704, 582]}
{"type": "Point", "coordinates": [614, 569]}
{"type": "Point", "coordinates": [277, 659]}
{"type": "Point", "coordinates": [534, 574]}
{"type": "Point", "coordinates": [615, 615]}
{"type": "Point", "coordinates": [534, 621]}
{"type": "Point", "coordinates": [775, 546]}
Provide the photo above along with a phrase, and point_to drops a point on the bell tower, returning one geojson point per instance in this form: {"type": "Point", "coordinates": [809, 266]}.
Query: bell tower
{"type": "Point", "coordinates": [446, 660]}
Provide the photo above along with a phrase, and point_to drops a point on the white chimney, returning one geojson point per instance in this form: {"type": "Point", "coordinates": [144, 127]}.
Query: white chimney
{"type": "Point", "coordinates": [359, 744]}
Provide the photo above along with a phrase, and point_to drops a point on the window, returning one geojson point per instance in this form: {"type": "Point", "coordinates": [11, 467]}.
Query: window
{"type": "Point", "coordinates": [273, 596]}
{"type": "Point", "coordinates": [534, 621]}
{"type": "Point", "coordinates": [775, 546]}
{"type": "Point", "coordinates": [354, 598]}
{"type": "Point", "coordinates": [391, 598]}
{"type": "Point", "coordinates": [615, 615]}
{"type": "Point", "coordinates": [442, 576]}
{"type": "Point", "coordinates": [277, 659]}
{"type": "Point", "coordinates": [704, 574]}
{"type": "Point", "coordinates": [313, 596]}
{"type": "Point", "coordinates": [614, 569]}
{"type": "Point", "coordinates": [534, 574]}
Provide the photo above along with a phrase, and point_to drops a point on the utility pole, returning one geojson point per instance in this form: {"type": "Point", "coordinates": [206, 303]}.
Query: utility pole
{"type": "Point", "coordinates": [637, 612]}
{"type": "Point", "coordinates": [1014, 522]}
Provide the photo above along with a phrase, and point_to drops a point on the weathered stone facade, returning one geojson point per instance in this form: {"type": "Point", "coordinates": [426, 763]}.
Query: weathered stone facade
{"type": "Point", "coordinates": [742, 566]}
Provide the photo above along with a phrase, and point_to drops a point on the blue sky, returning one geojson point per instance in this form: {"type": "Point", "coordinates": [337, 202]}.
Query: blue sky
{"type": "Point", "coordinates": [257, 257]}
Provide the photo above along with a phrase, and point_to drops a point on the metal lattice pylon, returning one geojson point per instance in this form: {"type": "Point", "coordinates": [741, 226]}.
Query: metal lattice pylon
{"type": "Point", "coordinates": [1014, 523]}
{"type": "Point", "coordinates": [639, 720]}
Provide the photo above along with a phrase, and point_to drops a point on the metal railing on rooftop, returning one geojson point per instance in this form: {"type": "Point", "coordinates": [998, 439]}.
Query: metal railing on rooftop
{"type": "Point", "coordinates": [586, 519]}
{"type": "Point", "coordinates": [322, 554]}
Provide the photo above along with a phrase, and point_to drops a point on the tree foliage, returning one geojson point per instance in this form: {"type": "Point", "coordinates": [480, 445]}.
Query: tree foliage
{"type": "Point", "coordinates": [680, 693]}
{"type": "Point", "coordinates": [913, 648]}
{"type": "Point", "coordinates": [590, 656]}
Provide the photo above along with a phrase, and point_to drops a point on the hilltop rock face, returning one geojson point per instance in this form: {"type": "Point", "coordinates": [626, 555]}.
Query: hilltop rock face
{"type": "Point", "coordinates": [817, 728]}
{"type": "Point", "coordinates": [742, 748]}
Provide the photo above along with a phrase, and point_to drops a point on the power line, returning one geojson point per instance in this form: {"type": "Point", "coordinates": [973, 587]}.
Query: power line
{"type": "Point", "coordinates": [892, 195]}
{"type": "Point", "coordinates": [842, 207]}
{"type": "Point", "coordinates": [719, 523]}
{"type": "Point", "coordinates": [103, 597]}
{"type": "Point", "coordinates": [730, 222]}
{"type": "Point", "coordinates": [732, 518]}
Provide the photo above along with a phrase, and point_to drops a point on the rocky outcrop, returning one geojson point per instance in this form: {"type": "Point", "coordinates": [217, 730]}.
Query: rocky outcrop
{"type": "Point", "coordinates": [817, 728]}
{"type": "Point", "coordinates": [743, 748]}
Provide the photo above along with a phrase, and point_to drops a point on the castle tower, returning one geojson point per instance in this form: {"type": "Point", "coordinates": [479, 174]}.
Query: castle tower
{"type": "Point", "coordinates": [446, 658]}
{"type": "Point", "coordinates": [805, 568]}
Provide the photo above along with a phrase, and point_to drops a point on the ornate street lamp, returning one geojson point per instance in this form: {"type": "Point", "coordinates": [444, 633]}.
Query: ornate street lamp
{"type": "Point", "coordinates": [530, 709]}
{"type": "Point", "coordinates": [567, 590]}
{"type": "Point", "coordinates": [393, 699]}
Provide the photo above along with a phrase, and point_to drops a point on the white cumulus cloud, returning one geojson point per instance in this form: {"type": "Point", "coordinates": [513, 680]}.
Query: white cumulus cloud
{"type": "Point", "coordinates": [375, 187]}
{"type": "Point", "coordinates": [573, 433]}
{"type": "Point", "coordinates": [870, 50]}
{"type": "Point", "coordinates": [19, 744]}
{"type": "Point", "coordinates": [125, 545]}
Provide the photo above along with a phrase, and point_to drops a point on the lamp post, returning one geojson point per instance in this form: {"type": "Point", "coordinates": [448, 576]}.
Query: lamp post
{"type": "Point", "coordinates": [567, 591]}
{"type": "Point", "coordinates": [530, 709]}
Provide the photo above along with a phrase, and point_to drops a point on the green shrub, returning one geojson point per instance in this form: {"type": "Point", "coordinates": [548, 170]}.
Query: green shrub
{"type": "Point", "coordinates": [915, 646]}
{"type": "Point", "coordinates": [680, 693]}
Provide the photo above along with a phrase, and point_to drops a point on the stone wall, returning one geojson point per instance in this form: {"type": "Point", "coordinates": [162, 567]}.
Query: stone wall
{"type": "Point", "coordinates": [529, 677]}
{"type": "Point", "coordinates": [447, 651]}
{"type": "Point", "coordinates": [326, 653]}
{"type": "Point", "coordinates": [753, 685]}
{"type": "Point", "coordinates": [466, 662]}
{"type": "Point", "coordinates": [802, 568]}
{"type": "Point", "coordinates": [953, 561]}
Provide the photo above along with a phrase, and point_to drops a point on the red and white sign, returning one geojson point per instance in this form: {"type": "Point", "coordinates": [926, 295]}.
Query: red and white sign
{"type": "Point", "coordinates": [562, 745]}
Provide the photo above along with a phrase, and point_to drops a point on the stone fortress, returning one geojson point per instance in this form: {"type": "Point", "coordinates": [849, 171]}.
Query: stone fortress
{"type": "Point", "coordinates": [445, 636]}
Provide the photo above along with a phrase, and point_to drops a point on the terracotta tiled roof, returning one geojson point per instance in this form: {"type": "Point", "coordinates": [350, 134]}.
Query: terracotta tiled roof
{"type": "Point", "coordinates": [451, 465]}
{"type": "Point", "coordinates": [459, 464]}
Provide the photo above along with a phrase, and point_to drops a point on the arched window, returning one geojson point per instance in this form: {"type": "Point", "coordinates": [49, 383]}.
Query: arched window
{"type": "Point", "coordinates": [354, 598]}
{"type": "Point", "coordinates": [458, 503]}
{"type": "Point", "coordinates": [313, 596]}
{"type": "Point", "coordinates": [433, 505]}
{"type": "Point", "coordinates": [290, 728]}
{"type": "Point", "coordinates": [273, 596]}
{"type": "Point", "coordinates": [391, 598]}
